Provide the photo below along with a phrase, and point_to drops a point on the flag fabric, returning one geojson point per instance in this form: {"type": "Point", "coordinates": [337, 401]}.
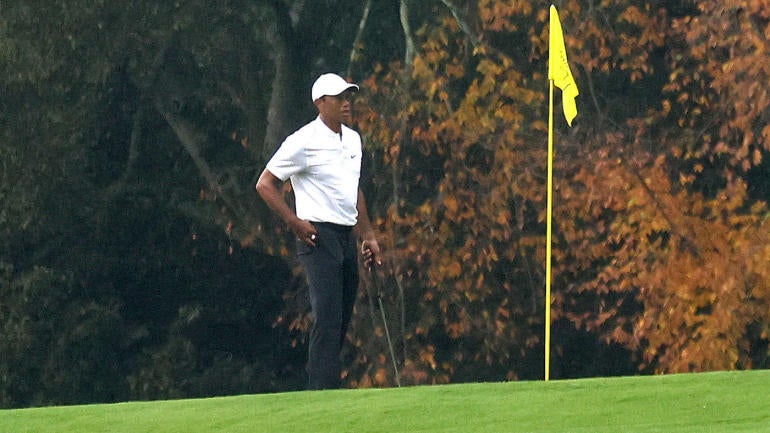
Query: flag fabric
{"type": "Point", "coordinates": [558, 68]}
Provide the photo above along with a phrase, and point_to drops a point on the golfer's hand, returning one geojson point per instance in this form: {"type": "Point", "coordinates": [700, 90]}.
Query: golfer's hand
{"type": "Point", "coordinates": [371, 253]}
{"type": "Point", "coordinates": [305, 231]}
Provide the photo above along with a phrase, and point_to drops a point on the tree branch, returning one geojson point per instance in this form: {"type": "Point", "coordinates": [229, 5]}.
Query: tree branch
{"type": "Point", "coordinates": [467, 16]}
{"type": "Point", "coordinates": [278, 36]}
{"type": "Point", "coordinates": [133, 154]}
{"type": "Point", "coordinates": [356, 49]}
{"type": "Point", "coordinates": [403, 12]}
{"type": "Point", "coordinates": [277, 109]}
{"type": "Point", "coordinates": [191, 139]}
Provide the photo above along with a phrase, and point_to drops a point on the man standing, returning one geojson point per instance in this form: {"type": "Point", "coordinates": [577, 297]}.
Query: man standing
{"type": "Point", "coordinates": [323, 162]}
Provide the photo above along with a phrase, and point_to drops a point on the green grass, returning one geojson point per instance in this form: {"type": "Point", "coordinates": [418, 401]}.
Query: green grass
{"type": "Point", "coordinates": [706, 402]}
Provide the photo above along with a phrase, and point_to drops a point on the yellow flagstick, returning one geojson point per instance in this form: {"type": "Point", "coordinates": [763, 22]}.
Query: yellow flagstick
{"type": "Point", "coordinates": [549, 209]}
{"type": "Point", "coordinates": [559, 75]}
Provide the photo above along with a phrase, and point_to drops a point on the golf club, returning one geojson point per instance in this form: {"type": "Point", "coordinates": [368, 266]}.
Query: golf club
{"type": "Point", "coordinates": [385, 324]}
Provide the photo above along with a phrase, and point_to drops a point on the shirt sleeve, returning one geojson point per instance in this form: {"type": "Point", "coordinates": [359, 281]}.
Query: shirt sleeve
{"type": "Point", "coordinates": [289, 159]}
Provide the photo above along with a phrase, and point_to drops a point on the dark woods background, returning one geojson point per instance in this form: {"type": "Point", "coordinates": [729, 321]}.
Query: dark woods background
{"type": "Point", "coordinates": [136, 261]}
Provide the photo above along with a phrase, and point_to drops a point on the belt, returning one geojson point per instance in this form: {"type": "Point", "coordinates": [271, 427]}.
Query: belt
{"type": "Point", "coordinates": [336, 227]}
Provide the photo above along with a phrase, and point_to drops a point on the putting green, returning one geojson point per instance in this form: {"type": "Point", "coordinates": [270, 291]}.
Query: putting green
{"type": "Point", "coordinates": [705, 402]}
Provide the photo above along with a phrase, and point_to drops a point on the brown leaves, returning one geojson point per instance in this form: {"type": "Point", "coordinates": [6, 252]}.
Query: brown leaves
{"type": "Point", "coordinates": [730, 42]}
{"type": "Point", "coordinates": [658, 245]}
{"type": "Point", "coordinates": [690, 261]}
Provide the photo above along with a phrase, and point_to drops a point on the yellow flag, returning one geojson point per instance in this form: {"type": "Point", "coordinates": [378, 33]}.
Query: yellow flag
{"type": "Point", "coordinates": [558, 68]}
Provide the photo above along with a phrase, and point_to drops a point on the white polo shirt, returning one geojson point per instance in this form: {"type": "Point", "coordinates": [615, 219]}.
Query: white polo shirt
{"type": "Point", "coordinates": [324, 170]}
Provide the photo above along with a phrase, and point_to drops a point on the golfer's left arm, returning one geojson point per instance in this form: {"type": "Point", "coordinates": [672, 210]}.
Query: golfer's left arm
{"type": "Point", "coordinates": [370, 249]}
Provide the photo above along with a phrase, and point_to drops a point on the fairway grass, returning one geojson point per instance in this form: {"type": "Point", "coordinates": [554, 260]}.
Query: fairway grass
{"type": "Point", "coordinates": [704, 402]}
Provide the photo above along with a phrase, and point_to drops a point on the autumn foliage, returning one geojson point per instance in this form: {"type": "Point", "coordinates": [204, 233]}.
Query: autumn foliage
{"type": "Point", "coordinates": [138, 262]}
{"type": "Point", "coordinates": [661, 239]}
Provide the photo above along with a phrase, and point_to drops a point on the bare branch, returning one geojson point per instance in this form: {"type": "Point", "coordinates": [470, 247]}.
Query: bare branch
{"type": "Point", "coordinates": [133, 154]}
{"type": "Point", "coordinates": [355, 51]}
{"type": "Point", "coordinates": [277, 112]}
{"type": "Point", "coordinates": [192, 141]}
{"type": "Point", "coordinates": [467, 16]}
{"type": "Point", "coordinates": [403, 12]}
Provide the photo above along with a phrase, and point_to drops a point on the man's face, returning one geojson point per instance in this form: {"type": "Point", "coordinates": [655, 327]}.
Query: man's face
{"type": "Point", "coordinates": [337, 108]}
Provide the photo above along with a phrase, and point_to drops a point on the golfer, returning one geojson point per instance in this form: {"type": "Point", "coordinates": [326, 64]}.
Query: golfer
{"type": "Point", "coordinates": [323, 162]}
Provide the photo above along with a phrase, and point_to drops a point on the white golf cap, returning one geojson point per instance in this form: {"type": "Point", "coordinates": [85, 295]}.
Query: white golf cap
{"type": "Point", "coordinates": [330, 84]}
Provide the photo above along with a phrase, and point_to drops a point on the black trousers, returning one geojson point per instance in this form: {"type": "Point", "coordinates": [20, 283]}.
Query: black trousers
{"type": "Point", "coordinates": [331, 268]}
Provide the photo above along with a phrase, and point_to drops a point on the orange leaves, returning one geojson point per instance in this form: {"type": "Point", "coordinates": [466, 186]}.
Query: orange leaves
{"type": "Point", "coordinates": [689, 260]}
{"type": "Point", "coordinates": [726, 81]}
{"type": "Point", "coordinates": [462, 229]}
{"type": "Point", "coordinates": [451, 204]}
{"type": "Point", "coordinates": [623, 44]}
{"type": "Point", "coordinates": [453, 269]}
{"type": "Point", "coordinates": [500, 15]}
{"type": "Point", "coordinates": [658, 245]}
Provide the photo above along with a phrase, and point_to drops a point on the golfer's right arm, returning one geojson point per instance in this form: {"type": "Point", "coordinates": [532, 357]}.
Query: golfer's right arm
{"type": "Point", "coordinates": [270, 188]}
